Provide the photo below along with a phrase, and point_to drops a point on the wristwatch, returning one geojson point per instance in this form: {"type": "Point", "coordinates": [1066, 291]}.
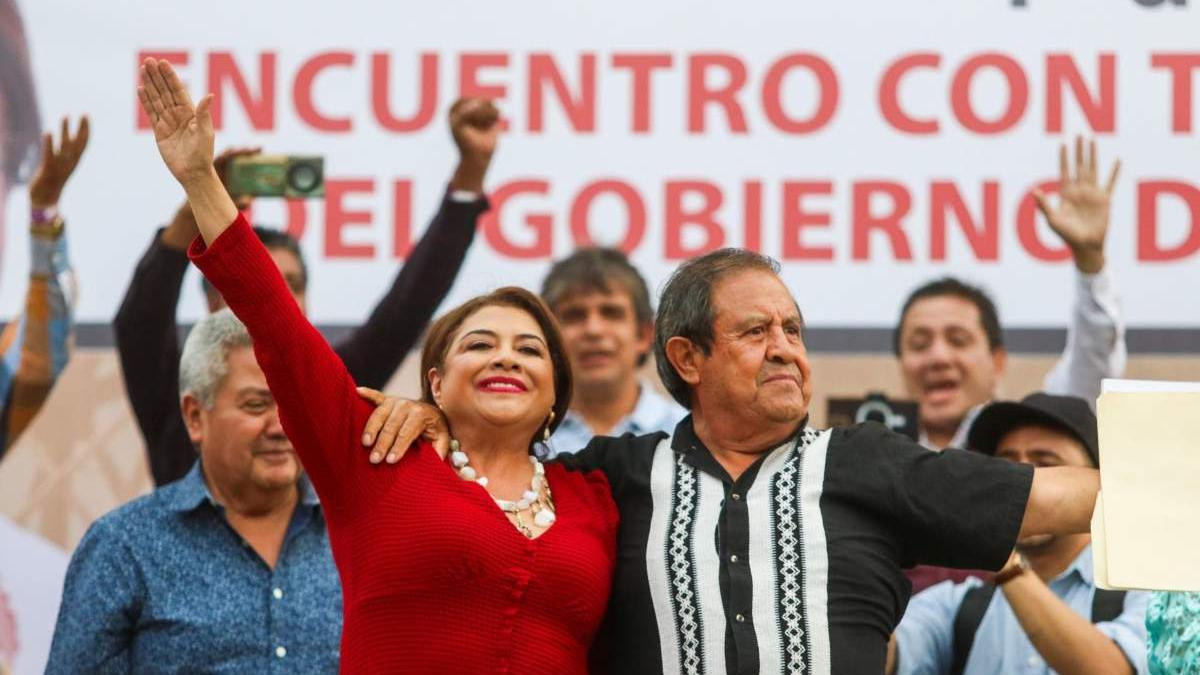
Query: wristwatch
{"type": "Point", "coordinates": [1012, 572]}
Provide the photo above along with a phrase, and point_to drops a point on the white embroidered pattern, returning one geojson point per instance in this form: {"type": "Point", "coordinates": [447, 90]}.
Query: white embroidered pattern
{"type": "Point", "coordinates": [682, 574]}
{"type": "Point", "coordinates": [787, 546]}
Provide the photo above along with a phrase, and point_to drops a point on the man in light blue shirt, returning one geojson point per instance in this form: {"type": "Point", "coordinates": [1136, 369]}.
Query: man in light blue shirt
{"type": "Point", "coordinates": [603, 306]}
{"type": "Point", "coordinates": [1042, 613]}
{"type": "Point", "coordinates": [653, 412]}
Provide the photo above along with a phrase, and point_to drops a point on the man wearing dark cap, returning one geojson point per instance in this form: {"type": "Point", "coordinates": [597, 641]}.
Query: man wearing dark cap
{"type": "Point", "coordinates": [1048, 616]}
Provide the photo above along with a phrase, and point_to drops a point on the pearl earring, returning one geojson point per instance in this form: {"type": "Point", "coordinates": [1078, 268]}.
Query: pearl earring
{"type": "Point", "coordinates": [546, 431]}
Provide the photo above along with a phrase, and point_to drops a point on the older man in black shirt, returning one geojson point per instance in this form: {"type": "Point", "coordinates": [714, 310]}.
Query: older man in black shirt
{"type": "Point", "coordinates": [752, 543]}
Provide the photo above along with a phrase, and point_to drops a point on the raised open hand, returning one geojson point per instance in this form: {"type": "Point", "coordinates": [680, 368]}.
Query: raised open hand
{"type": "Point", "coordinates": [1082, 215]}
{"type": "Point", "coordinates": [57, 165]}
{"type": "Point", "coordinates": [184, 132]}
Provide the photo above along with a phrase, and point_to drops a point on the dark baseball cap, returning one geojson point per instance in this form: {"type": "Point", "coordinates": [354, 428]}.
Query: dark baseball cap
{"type": "Point", "coordinates": [1069, 414]}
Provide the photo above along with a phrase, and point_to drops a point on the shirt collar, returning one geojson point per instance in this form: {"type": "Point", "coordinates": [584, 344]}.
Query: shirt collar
{"type": "Point", "coordinates": [647, 416]}
{"type": "Point", "coordinates": [1082, 565]}
{"type": "Point", "coordinates": [685, 442]}
{"type": "Point", "coordinates": [649, 412]}
{"type": "Point", "coordinates": [959, 440]}
{"type": "Point", "coordinates": [190, 492]}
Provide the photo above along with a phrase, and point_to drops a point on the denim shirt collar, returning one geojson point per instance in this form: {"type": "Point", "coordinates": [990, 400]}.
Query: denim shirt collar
{"type": "Point", "coordinates": [190, 492]}
{"type": "Point", "coordinates": [1082, 565]}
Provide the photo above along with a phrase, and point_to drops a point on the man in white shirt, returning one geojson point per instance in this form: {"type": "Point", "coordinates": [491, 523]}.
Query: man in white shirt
{"type": "Point", "coordinates": [603, 306]}
{"type": "Point", "coordinates": [949, 342]}
{"type": "Point", "coordinates": [951, 348]}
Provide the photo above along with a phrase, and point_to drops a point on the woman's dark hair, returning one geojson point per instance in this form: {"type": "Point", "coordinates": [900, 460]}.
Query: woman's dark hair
{"type": "Point", "coordinates": [441, 334]}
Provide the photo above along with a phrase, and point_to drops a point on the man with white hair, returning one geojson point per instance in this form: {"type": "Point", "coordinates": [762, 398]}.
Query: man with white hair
{"type": "Point", "coordinates": [228, 568]}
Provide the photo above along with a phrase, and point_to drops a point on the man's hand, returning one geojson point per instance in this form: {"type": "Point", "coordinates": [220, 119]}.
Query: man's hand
{"type": "Point", "coordinates": [1081, 218]}
{"type": "Point", "coordinates": [221, 164]}
{"type": "Point", "coordinates": [397, 423]}
{"type": "Point", "coordinates": [182, 229]}
{"type": "Point", "coordinates": [57, 165]}
{"type": "Point", "coordinates": [474, 123]}
{"type": "Point", "coordinates": [183, 131]}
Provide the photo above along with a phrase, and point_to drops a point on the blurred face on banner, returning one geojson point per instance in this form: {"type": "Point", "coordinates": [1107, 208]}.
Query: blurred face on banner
{"type": "Point", "coordinates": [603, 336]}
{"type": "Point", "coordinates": [18, 107]}
{"type": "Point", "coordinates": [946, 361]}
{"type": "Point", "coordinates": [3, 164]}
{"type": "Point", "coordinates": [8, 634]}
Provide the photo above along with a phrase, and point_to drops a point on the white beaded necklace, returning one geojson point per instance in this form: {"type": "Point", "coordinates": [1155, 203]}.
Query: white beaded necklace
{"type": "Point", "coordinates": [537, 498]}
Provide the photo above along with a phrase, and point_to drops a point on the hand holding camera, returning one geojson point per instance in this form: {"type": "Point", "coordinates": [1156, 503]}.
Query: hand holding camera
{"type": "Point", "coordinates": [288, 176]}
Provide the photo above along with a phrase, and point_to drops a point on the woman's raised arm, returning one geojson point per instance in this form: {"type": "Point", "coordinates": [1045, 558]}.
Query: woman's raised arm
{"type": "Point", "coordinates": [184, 133]}
{"type": "Point", "coordinates": [319, 407]}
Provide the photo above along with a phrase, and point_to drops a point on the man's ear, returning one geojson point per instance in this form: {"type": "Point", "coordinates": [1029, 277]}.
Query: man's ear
{"type": "Point", "coordinates": [999, 362]}
{"type": "Point", "coordinates": [684, 356]}
{"type": "Point", "coordinates": [193, 412]}
{"type": "Point", "coordinates": [645, 337]}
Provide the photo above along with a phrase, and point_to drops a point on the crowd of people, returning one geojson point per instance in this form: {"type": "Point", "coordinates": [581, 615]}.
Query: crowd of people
{"type": "Point", "coordinates": [543, 507]}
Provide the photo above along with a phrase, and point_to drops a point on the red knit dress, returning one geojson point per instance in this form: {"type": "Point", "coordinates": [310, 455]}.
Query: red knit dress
{"type": "Point", "coordinates": [435, 579]}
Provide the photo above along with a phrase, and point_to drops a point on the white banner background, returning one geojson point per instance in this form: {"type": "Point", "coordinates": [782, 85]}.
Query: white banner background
{"type": "Point", "coordinates": [85, 56]}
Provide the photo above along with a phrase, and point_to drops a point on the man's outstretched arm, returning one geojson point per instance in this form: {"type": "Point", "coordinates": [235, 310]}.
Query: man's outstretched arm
{"type": "Point", "coordinates": [374, 351]}
{"type": "Point", "coordinates": [1061, 501]}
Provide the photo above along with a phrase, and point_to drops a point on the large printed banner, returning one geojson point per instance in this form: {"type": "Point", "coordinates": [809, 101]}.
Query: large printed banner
{"type": "Point", "coordinates": [868, 146]}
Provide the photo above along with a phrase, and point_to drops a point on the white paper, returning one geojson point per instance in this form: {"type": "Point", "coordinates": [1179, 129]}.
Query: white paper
{"type": "Point", "coordinates": [1144, 526]}
{"type": "Point", "coordinates": [1113, 384]}
{"type": "Point", "coordinates": [1099, 545]}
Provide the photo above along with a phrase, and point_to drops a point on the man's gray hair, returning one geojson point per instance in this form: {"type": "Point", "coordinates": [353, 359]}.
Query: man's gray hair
{"type": "Point", "coordinates": [204, 363]}
{"type": "Point", "coordinates": [685, 308]}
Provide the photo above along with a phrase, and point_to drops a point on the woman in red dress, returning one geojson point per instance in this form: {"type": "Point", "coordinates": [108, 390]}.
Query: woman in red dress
{"type": "Point", "coordinates": [485, 563]}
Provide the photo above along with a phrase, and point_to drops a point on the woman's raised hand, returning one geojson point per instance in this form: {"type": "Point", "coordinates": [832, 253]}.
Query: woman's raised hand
{"type": "Point", "coordinates": [184, 132]}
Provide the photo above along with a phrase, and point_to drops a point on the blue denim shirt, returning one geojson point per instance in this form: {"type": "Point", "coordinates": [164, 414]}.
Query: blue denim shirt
{"type": "Point", "coordinates": [652, 413]}
{"type": "Point", "coordinates": [163, 584]}
{"type": "Point", "coordinates": [925, 637]}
